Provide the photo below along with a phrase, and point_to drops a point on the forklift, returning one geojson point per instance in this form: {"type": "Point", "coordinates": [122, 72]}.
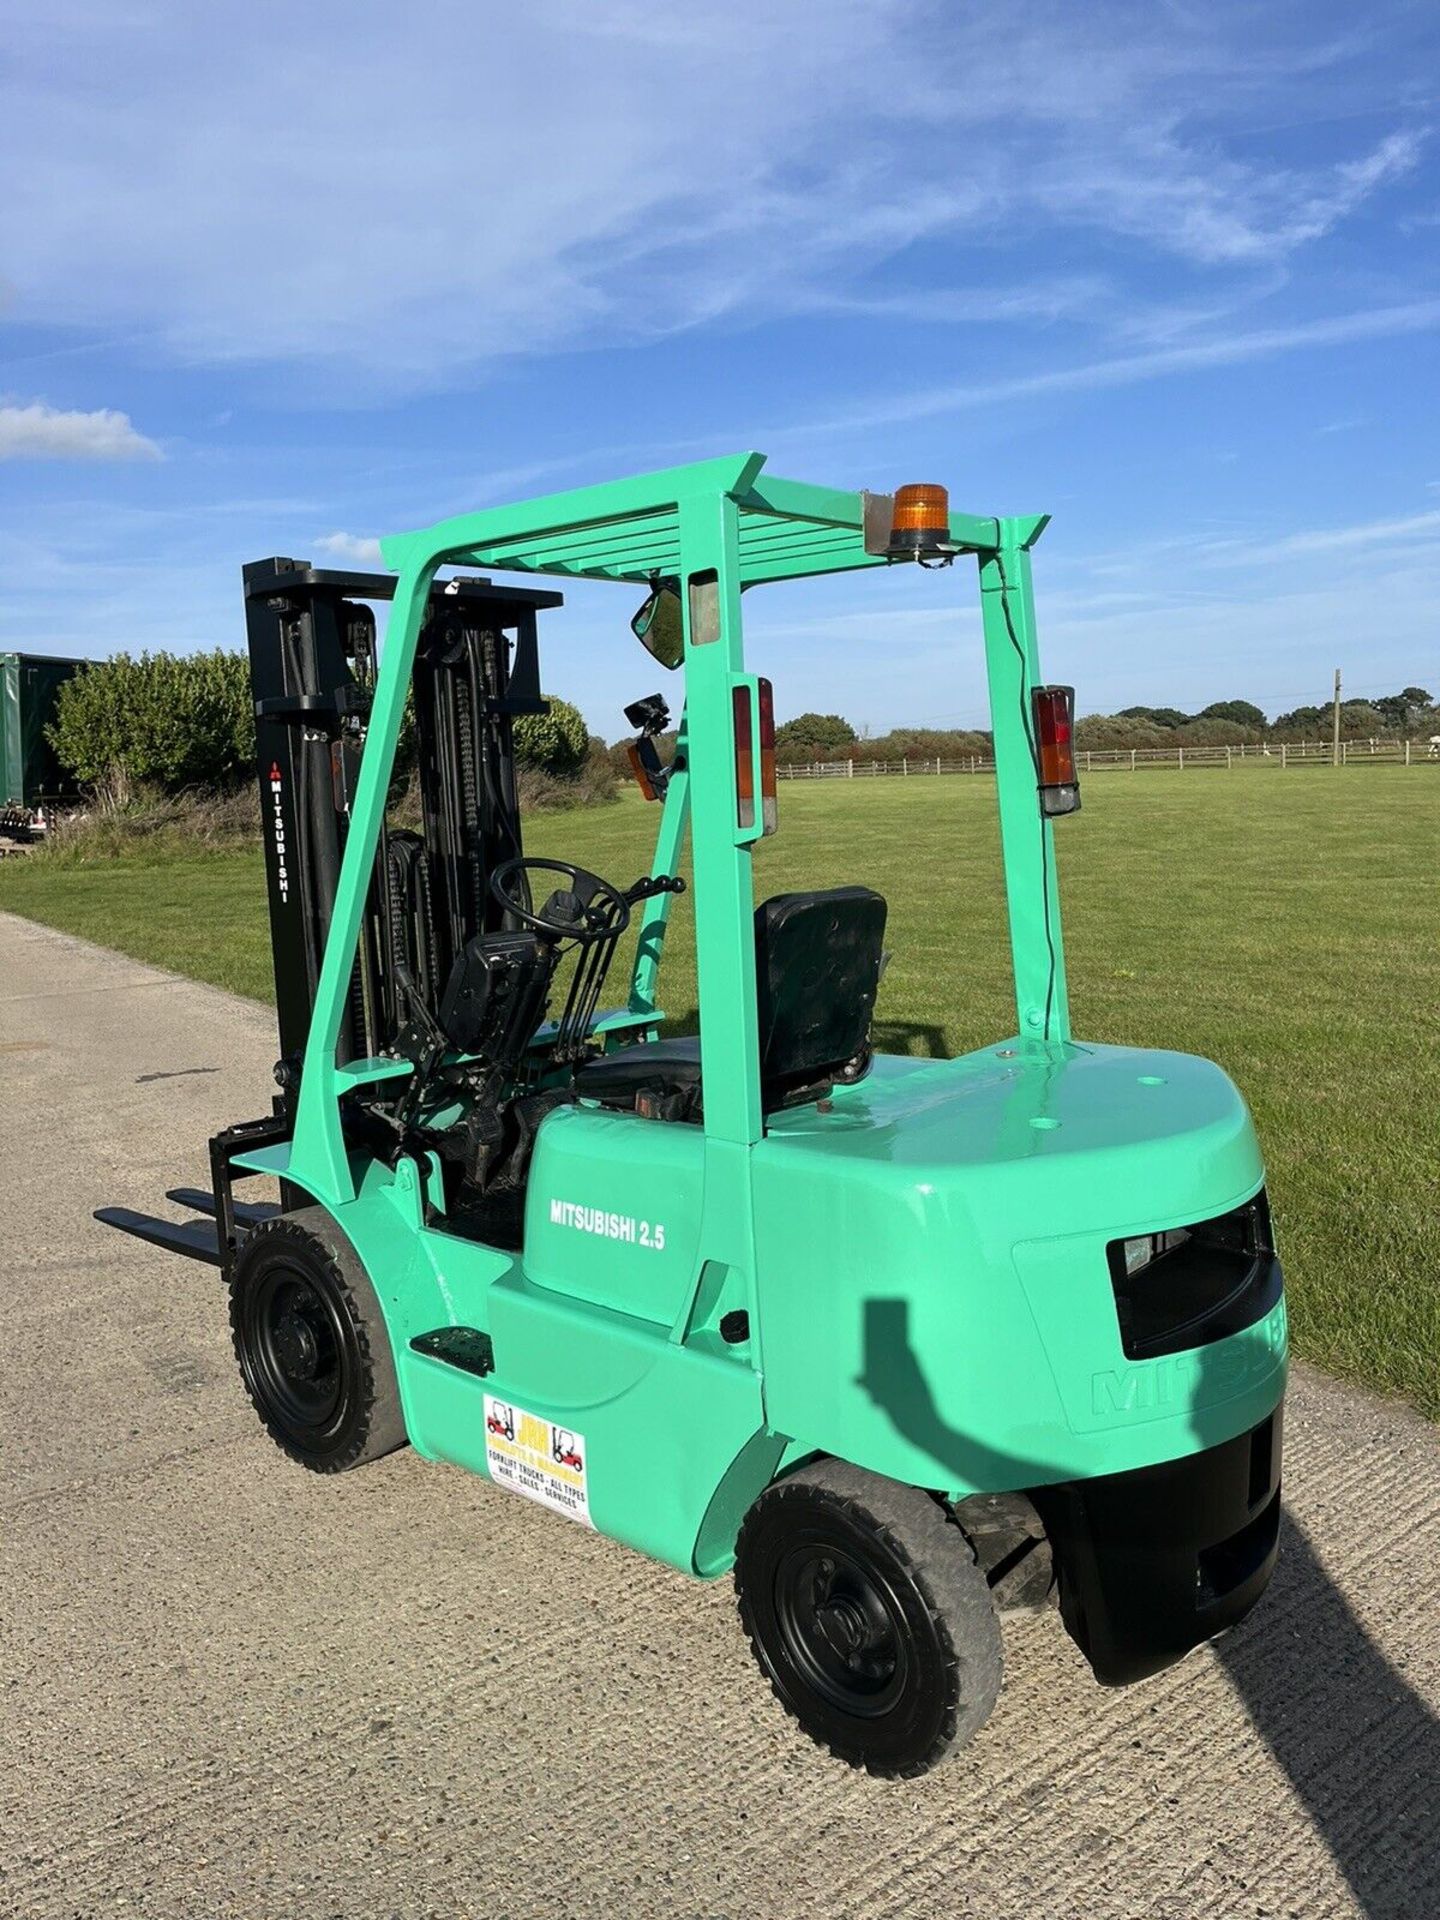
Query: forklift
{"type": "Point", "coordinates": [903, 1342]}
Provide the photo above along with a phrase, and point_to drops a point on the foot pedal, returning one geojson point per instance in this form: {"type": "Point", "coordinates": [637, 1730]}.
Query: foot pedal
{"type": "Point", "coordinates": [463, 1347]}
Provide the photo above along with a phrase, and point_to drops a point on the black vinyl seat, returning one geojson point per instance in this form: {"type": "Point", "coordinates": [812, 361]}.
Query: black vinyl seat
{"type": "Point", "coordinates": [817, 962]}
{"type": "Point", "coordinates": [659, 1078]}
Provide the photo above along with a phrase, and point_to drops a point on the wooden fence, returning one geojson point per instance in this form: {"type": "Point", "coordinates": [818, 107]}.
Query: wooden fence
{"type": "Point", "coordinates": [1135, 759]}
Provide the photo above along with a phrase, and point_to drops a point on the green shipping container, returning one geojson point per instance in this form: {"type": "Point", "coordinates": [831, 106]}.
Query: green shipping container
{"type": "Point", "coordinates": [29, 771]}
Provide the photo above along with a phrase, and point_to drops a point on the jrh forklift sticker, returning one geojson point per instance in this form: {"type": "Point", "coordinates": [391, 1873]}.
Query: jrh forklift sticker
{"type": "Point", "coordinates": [535, 1457]}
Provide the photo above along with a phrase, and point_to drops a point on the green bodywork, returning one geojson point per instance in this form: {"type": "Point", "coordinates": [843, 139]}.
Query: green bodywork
{"type": "Point", "coordinates": [922, 1259]}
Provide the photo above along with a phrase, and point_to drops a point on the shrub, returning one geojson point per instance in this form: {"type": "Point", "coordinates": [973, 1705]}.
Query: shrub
{"type": "Point", "coordinates": [596, 779]}
{"type": "Point", "coordinates": [162, 721]}
{"type": "Point", "coordinates": [555, 742]}
{"type": "Point", "coordinates": [1244, 713]}
{"type": "Point", "coordinates": [1108, 731]}
{"type": "Point", "coordinates": [1359, 717]}
{"type": "Point", "coordinates": [151, 825]}
{"type": "Point", "coordinates": [810, 736]}
{"type": "Point", "coordinates": [1301, 723]}
{"type": "Point", "coordinates": [1215, 733]}
{"type": "Point", "coordinates": [1156, 716]}
{"type": "Point", "coordinates": [593, 785]}
{"type": "Point", "coordinates": [927, 743]}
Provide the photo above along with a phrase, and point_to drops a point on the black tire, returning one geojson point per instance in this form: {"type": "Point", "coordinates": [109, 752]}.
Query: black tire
{"type": "Point", "coordinates": [312, 1345]}
{"type": "Point", "coordinates": [868, 1614]}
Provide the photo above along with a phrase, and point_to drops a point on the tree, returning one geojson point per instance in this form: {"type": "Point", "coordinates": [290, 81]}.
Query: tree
{"type": "Point", "coordinates": [1301, 722]}
{"type": "Point", "coordinates": [930, 743]}
{"type": "Point", "coordinates": [1217, 732]}
{"type": "Point", "coordinates": [1359, 717]}
{"type": "Point", "coordinates": [1401, 710]}
{"type": "Point", "coordinates": [1157, 716]}
{"type": "Point", "coordinates": [164, 720]}
{"type": "Point", "coordinates": [1108, 731]}
{"type": "Point", "coordinates": [810, 734]}
{"type": "Point", "coordinates": [555, 741]}
{"type": "Point", "coordinates": [1243, 712]}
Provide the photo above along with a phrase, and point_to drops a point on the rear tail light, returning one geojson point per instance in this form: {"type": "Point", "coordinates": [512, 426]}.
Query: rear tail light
{"type": "Point", "coordinates": [745, 754]}
{"type": "Point", "coordinates": [744, 758]}
{"type": "Point", "coordinates": [769, 800]}
{"type": "Point", "coordinates": [1054, 712]}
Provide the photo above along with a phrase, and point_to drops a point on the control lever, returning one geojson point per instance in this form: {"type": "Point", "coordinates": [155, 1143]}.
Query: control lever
{"type": "Point", "coordinates": [650, 884]}
{"type": "Point", "coordinates": [427, 1026]}
{"type": "Point", "coordinates": [422, 1042]}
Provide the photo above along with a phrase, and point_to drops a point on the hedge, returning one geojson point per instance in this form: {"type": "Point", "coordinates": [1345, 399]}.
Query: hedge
{"type": "Point", "coordinates": [555, 742]}
{"type": "Point", "coordinates": [175, 722]}
{"type": "Point", "coordinates": [162, 720]}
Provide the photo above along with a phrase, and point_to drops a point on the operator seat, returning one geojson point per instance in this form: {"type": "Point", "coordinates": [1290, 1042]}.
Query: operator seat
{"type": "Point", "coordinates": [817, 962]}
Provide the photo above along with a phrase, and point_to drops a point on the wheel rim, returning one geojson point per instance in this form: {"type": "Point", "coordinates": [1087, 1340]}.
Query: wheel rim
{"type": "Point", "coordinates": [297, 1349]}
{"type": "Point", "coordinates": [843, 1628]}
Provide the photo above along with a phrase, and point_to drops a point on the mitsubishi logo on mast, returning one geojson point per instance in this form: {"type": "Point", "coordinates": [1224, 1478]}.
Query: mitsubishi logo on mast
{"type": "Point", "coordinates": [277, 819]}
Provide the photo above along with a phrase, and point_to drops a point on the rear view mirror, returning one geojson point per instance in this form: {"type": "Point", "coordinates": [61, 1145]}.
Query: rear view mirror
{"type": "Point", "coordinates": [659, 626]}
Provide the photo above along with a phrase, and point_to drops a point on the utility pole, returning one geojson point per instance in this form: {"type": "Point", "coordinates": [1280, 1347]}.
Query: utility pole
{"type": "Point", "coordinates": [1335, 731]}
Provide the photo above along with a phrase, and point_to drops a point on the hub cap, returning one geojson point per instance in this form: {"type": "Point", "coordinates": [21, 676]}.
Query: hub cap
{"type": "Point", "coordinates": [843, 1627]}
{"type": "Point", "coordinates": [297, 1349]}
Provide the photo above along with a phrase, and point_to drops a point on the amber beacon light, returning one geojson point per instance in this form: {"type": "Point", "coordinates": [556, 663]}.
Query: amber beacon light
{"type": "Point", "coordinates": [920, 526]}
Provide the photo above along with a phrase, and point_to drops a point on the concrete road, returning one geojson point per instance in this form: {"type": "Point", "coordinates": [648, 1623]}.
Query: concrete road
{"type": "Point", "coordinates": [234, 1689]}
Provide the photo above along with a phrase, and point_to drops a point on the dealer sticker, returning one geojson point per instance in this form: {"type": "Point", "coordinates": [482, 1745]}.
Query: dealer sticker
{"type": "Point", "coordinates": [535, 1457]}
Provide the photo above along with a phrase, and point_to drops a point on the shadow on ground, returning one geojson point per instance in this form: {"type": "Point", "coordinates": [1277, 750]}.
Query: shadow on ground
{"type": "Point", "coordinates": [1360, 1746]}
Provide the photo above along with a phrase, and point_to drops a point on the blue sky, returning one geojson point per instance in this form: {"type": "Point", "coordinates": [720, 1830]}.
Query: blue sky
{"type": "Point", "coordinates": [281, 279]}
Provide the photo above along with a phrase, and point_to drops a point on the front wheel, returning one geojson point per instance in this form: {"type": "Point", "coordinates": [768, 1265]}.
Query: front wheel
{"type": "Point", "coordinates": [870, 1617]}
{"type": "Point", "coordinates": [312, 1345]}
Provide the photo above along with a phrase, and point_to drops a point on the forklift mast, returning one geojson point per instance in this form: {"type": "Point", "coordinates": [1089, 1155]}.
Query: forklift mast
{"type": "Point", "coordinates": [313, 651]}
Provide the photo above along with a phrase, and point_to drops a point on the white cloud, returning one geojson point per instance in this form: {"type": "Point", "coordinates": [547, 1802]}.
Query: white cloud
{"type": "Point", "coordinates": [38, 432]}
{"type": "Point", "coordinates": [1153, 188]}
{"type": "Point", "coordinates": [1418, 316]}
{"type": "Point", "coordinates": [1372, 535]}
{"type": "Point", "coordinates": [1362, 542]}
{"type": "Point", "coordinates": [631, 175]}
{"type": "Point", "coordinates": [361, 550]}
{"type": "Point", "coordinates": [1043, 299]}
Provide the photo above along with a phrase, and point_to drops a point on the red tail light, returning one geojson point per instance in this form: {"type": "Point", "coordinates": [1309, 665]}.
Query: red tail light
{"type": "Point", "coordinates": [1054, 711]}
{"type": "Point", "coordinates": [769, 800]}
{"type": "Point", "coordinates": [745, 753]}
{"type": "Point", "coordinates": [744, 758]}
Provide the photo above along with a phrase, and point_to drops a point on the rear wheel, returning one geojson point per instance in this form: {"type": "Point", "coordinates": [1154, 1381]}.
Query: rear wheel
{"type": "Point", "coordinates": [312, 1345]}
{"type": "Point", "coordinates": [867, 1612]}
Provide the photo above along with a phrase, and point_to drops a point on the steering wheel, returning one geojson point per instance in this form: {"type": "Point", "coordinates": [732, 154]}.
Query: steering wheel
{"type": "Point", "coordinates": [586, 909]}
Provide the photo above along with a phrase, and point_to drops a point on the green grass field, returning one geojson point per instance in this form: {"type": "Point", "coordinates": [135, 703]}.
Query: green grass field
{"type": "Point", "coordinates": [1283, 924]}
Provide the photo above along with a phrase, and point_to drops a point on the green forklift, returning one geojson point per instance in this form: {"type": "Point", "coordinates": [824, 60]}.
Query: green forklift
{"type": "Point", "coordinates": [903, 1342]}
